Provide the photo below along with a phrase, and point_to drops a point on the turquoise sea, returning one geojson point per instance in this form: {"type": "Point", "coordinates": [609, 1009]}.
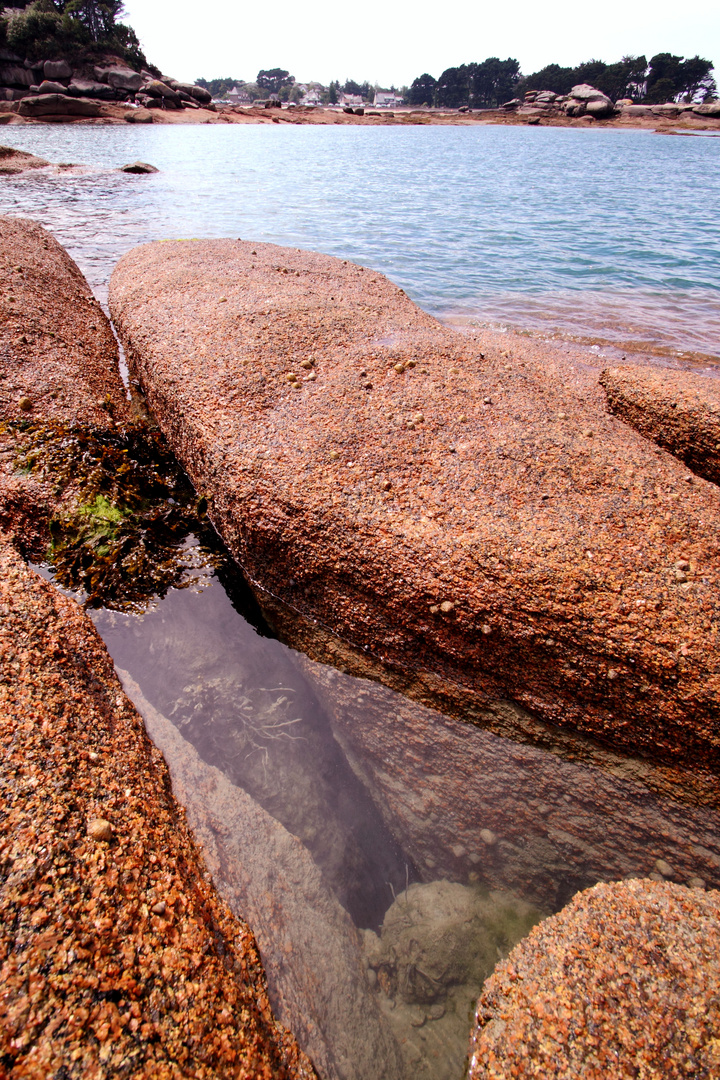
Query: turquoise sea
{"type": "Point", "coordinates": [607, 236]}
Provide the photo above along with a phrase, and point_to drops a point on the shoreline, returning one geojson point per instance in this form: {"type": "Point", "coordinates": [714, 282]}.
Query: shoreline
{"type": "Point", "coordinates": [686, 122]}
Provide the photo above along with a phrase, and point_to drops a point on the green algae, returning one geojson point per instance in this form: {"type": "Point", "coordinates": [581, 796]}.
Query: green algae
{"type": "Point", "coordinates": [128, 524]}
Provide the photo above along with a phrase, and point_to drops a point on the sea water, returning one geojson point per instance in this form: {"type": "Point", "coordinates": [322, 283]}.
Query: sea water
{"type": "Point", "coordinates": [606, 236]}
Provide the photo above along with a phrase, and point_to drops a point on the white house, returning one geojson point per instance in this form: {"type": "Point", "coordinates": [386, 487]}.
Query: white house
{"type": "Point", "coordinates": [354, 100]}
{"type": "Point", "coordinates": [386, 99]}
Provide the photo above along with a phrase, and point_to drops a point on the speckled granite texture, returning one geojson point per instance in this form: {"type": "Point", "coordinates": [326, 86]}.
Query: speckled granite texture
{"type": "Point", "coordinates": [117, 958]}
{"type": "Point", "coordinates": [623, 982]}
{"type": "Point", "coordinates": [678, 410]}
{"type": "Point", "coordinates": [58, 364]}
{"type": "Point", "coordinates": [461, 508]}
{"type": "Point", "coordinates": [58, 355]}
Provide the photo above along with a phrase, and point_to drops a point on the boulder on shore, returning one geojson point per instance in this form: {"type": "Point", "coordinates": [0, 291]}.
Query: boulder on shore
{"type": "Point", "coordinates": [57, 105]}
{"type": "Point", "coordinates": [624, 981]}
{"type": "Point", "coordinates": [474, 523]}
{"type": "Point", "coordinates": [678, 410]}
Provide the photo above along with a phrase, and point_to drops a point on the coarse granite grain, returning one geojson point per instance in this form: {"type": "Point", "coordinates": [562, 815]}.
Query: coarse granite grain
{"type": "Point", "coordinates": [623, 982]}
{"type": "Point", "coordinates": [117, 959]}
{"type": "Point", "coordinates": [461, 508]}
{"type": "Point", "coordinates": [678, 410]}
{"type": "Point", "coordinates": [58, 354]}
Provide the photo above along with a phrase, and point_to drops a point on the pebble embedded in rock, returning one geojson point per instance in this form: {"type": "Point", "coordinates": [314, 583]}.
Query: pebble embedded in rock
{"type": "Point", "coordinates": [99, 829]}
{"type": "Point", "coordinates": [25, 404]}
{"type": "Point", "coordinates": [664, 868]}
{"type": "Point", "coordinates": [488, 837]}
{"type": "Point", "coordinates": [447, 606]}
{"type": "Point", "coordinates": [160, 908]}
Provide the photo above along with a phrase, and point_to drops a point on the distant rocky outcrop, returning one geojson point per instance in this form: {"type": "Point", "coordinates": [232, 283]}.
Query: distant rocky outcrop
{"type": "Point", "coordinates": [43, 88]}
{"type": "Point", "coordinates": [587, 101]}
{"type": "Point", "coordinates": [624, 981]}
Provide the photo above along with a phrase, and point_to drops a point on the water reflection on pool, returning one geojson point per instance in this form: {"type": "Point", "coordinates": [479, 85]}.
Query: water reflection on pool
{"type": "Point", "coordinates": [385, 855]}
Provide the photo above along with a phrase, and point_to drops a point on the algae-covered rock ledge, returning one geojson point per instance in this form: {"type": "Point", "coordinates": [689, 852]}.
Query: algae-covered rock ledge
{"type": "Point", "coordinates": [467, 514]}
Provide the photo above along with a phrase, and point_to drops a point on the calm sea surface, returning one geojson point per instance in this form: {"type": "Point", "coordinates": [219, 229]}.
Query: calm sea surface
{"type": "Point", "coordinates": [610, 237]}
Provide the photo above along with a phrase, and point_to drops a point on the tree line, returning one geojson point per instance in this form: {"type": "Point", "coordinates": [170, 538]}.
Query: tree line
{"type": "Point", "coordinates": [278, 83]}
{"type": "Point", "coordinates": [70, 29]}
{"type": "Point", "coordinates": [491, 83]}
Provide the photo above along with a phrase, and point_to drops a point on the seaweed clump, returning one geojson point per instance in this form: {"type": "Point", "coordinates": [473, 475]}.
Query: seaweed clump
{"type": "Point", "coordinates": [128, 524]}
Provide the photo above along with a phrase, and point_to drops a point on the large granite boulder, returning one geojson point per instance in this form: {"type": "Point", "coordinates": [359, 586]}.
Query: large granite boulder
{"type": "Point", "coordinates": [678, 410]}
{"type": "Point", "coordinates": [625, 981]}
{"type": "Point", "coordinates": [157, 89]}
{"type": "Point", "coordinates": [477, 521]}
{"type": "Point", "coordinates": [90, 88]}
{"type": "Point", "coordinates": [15, 75]}
{"type": "Point", "coordinates": [199, 93]}
{"type": "Point", "coordinates": [120, 78]}
{"type": "Point", "coordinates": [57, 105]}
{"type": "Point", "coordinates": [711, 108]}
{"type": "Point", "coordinates": [57, 69]}
{"type": "Point", "coordinates": [59, 356]}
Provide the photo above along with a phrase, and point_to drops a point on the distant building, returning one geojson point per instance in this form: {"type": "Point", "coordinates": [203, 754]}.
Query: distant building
{"type": "Point", "coordinates": [354, 100]}
{"type": "Point", "coordinates": [386, 99]}
{"type": "Point", "coordinates": [311, 97]}
{"type": "Point", "coordinates": [238, 96]}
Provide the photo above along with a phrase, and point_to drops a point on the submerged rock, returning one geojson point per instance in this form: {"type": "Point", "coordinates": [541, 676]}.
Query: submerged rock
{"type": "Point", "coordinates": [556, 550]}
{"type": "Point", "coordinates": [625, 981]}
{"type": "Point", "coordinates": [14, 161]}
{"type": "Point", "coordinates": [437, 945]}
{"type": "Point", "coordinates": [138, 167]}
{"type": "Point", "coordinates": [318, 982]}
{"type": "Point", "coordinates": [678, 410]}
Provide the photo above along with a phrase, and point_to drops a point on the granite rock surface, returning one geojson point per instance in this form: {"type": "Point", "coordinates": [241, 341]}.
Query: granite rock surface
{"type": "Point", "coordinates": [117, 958]}
{"type": "Point", "coordinates": [678, 410]}
{"type": "Point", "coordinates": [472, 515]}
{"type": "Point", "coordinates": [624, 982]}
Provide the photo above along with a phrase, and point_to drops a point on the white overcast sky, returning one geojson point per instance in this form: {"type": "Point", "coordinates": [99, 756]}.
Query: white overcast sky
{"type": "Point", "coordinates": [393, 42]}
